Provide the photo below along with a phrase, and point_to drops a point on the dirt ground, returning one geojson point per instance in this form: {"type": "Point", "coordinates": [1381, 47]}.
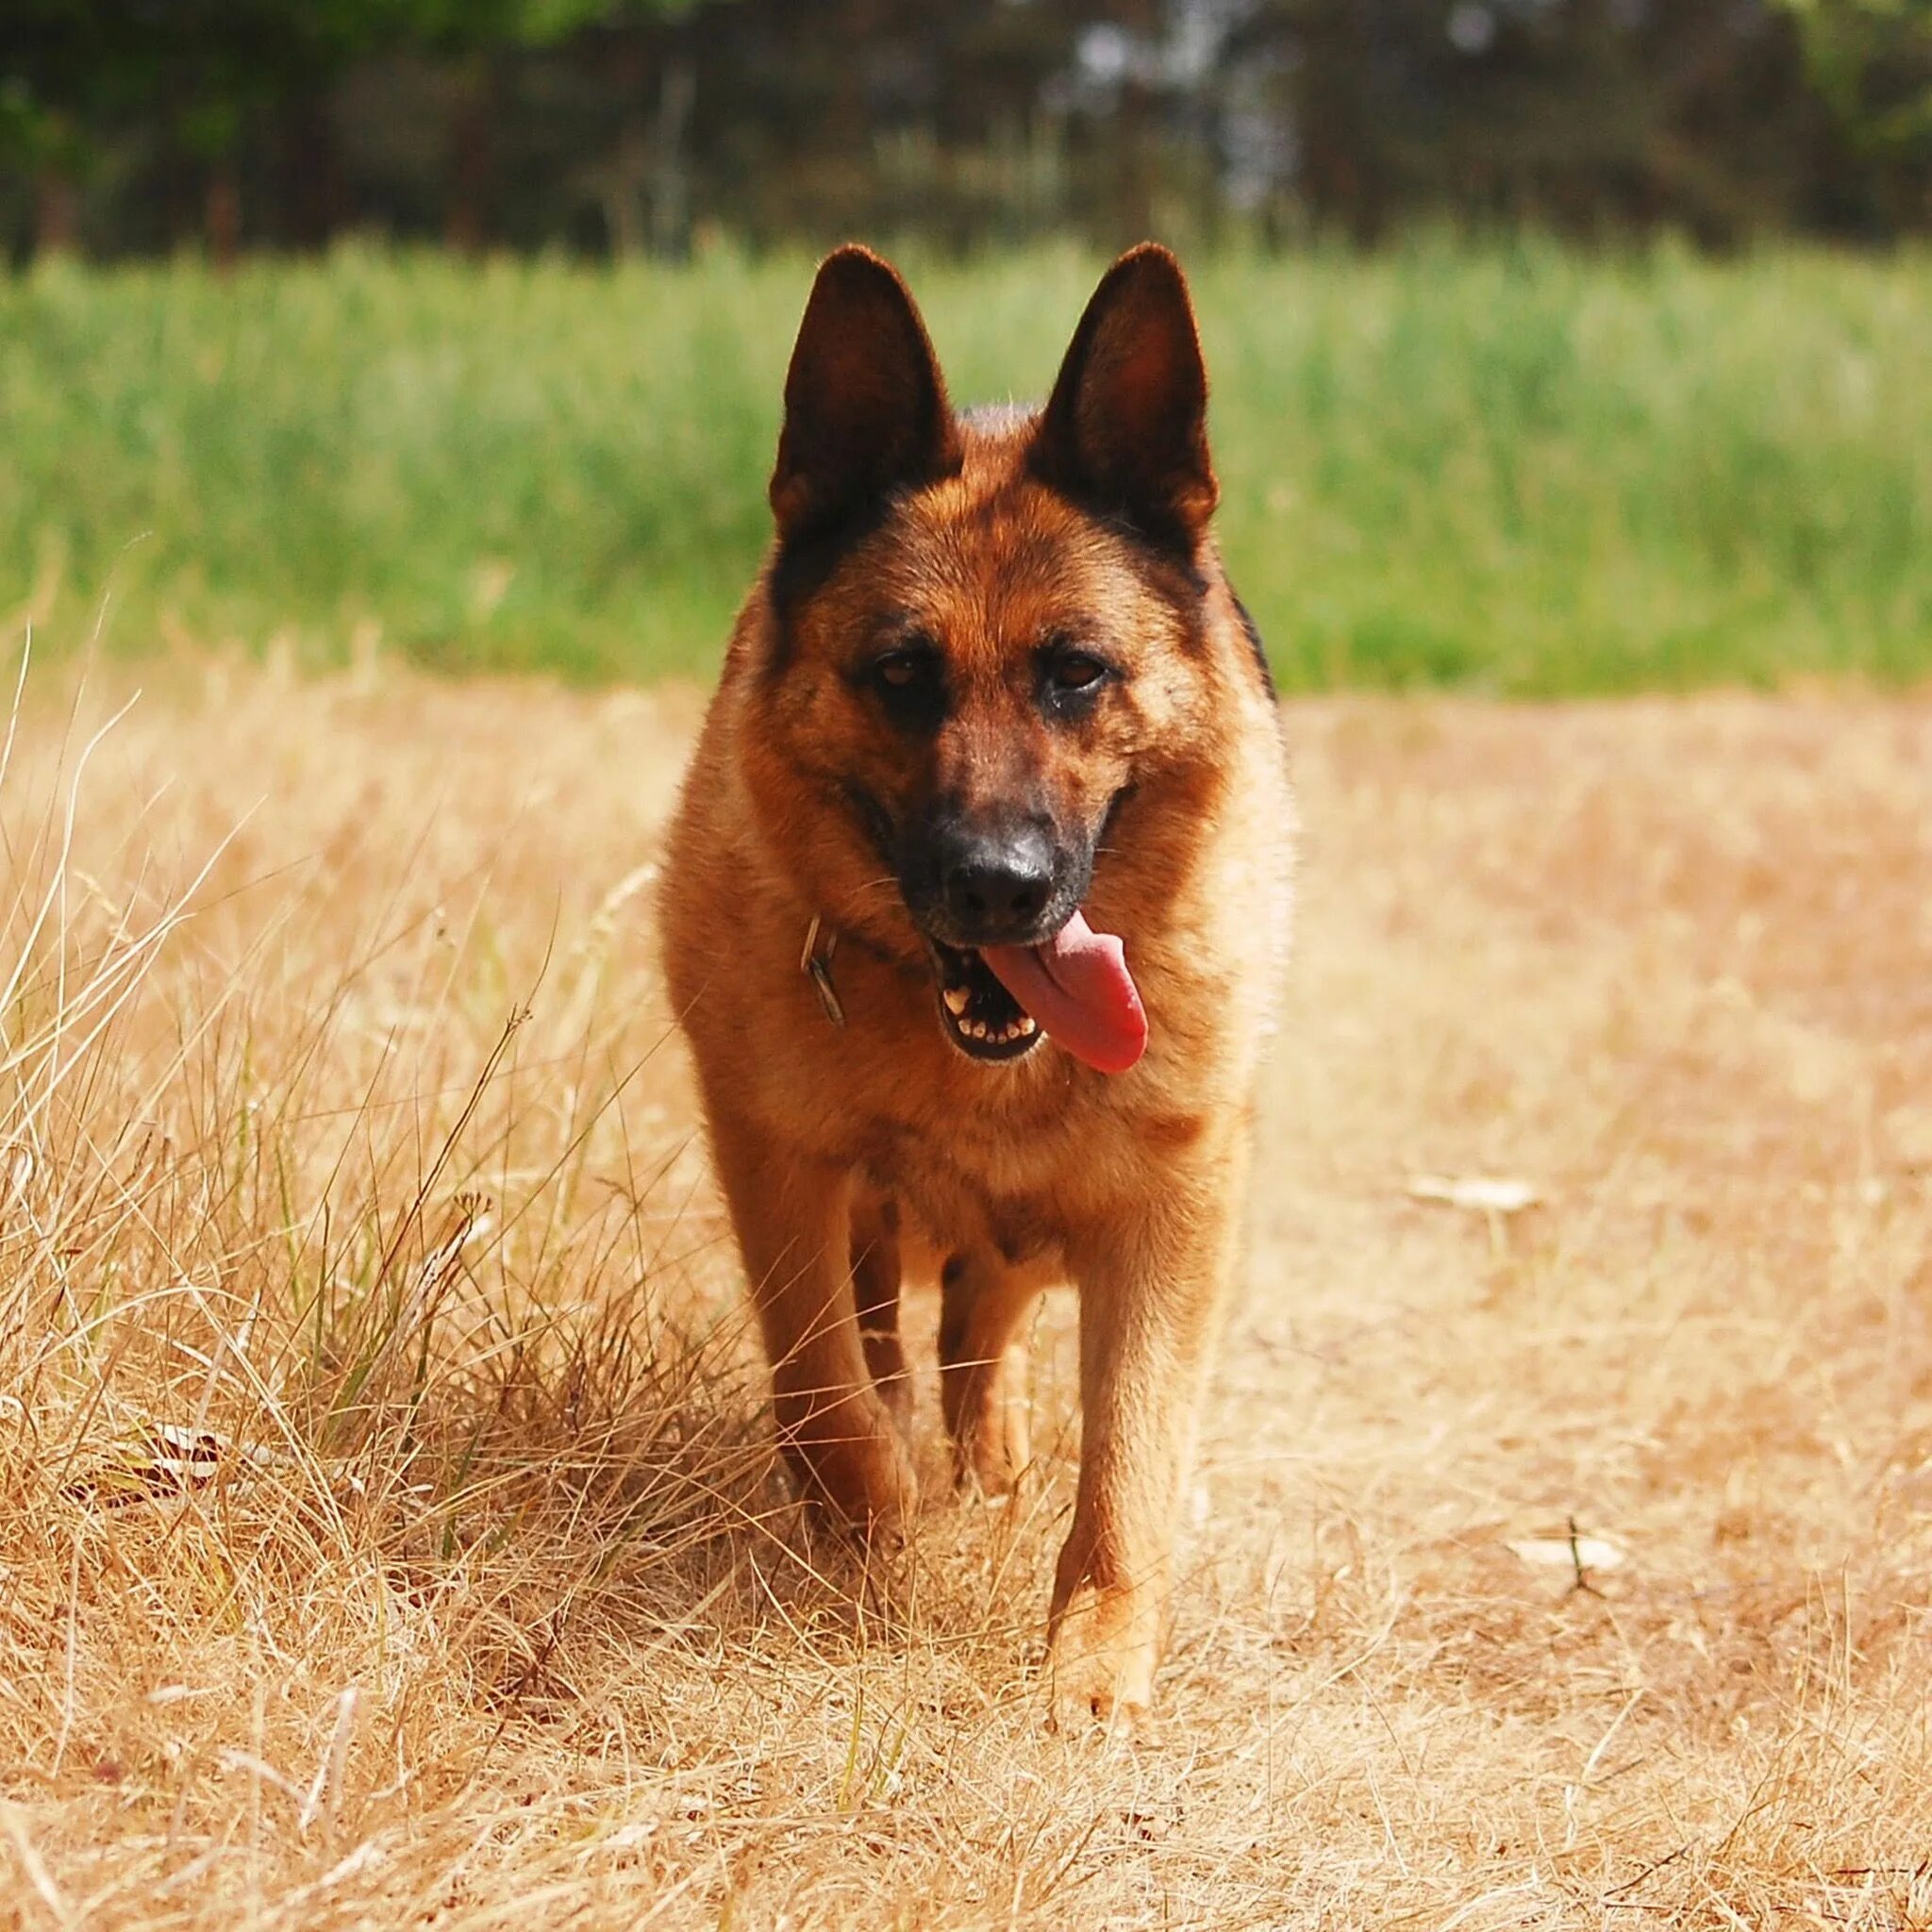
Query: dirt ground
{"type": "Point", "coordinates": [1561, 1566]}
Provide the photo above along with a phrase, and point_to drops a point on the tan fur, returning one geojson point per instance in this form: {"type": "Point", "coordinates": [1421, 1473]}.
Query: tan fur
{"type": "Point", "coordinates": [1129, 1186]}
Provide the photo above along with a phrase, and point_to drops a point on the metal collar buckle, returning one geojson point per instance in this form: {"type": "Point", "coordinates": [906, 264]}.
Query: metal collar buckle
{"type": "Point", "coordinates": [815, 962]}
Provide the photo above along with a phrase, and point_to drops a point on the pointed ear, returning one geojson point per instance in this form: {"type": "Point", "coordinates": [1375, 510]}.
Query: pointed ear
{"type": "Point", "coordinates": [1126, 429]}
{"type": "Point", "coordinates": [865, 407]}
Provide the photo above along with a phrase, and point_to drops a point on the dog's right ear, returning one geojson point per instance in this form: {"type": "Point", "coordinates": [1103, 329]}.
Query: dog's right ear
{"type": "Point", "coordinates": [1126, 429]}
{"type": "Point", "coordinates": [865, 405]}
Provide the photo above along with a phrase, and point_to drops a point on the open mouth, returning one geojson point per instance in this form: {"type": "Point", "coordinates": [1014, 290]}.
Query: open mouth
{"type": "Point", "coordinates": [981, 1018]}
{"type": "Point", "coordinates": [996, 1002]}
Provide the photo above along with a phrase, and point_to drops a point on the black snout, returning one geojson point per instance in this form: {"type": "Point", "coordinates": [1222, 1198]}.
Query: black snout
{"type": "Point", "coordinates": [996, 887]}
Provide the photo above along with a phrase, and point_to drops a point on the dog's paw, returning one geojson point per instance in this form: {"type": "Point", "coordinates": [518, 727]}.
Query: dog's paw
{"type": "Point", "coordinates": [1100, 1663]}
{"type": "Point", "coordinates": [1089, 1697]}
{"type": "Point", "coordinates": [853, 1465]}
{"type": "Point", "coordinates": [990, 1459]}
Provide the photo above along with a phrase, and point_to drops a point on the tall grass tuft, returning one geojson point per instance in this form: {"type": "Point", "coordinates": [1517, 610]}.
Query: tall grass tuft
{"type": "Point", "coordinates": [347, 1341]}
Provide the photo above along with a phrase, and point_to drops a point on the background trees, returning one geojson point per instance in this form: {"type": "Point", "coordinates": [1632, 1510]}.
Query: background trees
{"type": "Point", "coordinates": [132, 125]}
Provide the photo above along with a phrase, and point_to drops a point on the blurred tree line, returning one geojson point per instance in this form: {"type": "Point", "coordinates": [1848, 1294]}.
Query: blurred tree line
{"type": "Point", "coordinates": [625, 125]}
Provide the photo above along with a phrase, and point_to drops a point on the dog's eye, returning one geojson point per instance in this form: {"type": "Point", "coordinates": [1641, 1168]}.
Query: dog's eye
{"type": "Point", "coordinates": [910, 683]}
{"type": "Point", "coordinates": [1075, 671]}
{"type": "Point", "coordinates": [902, 669]}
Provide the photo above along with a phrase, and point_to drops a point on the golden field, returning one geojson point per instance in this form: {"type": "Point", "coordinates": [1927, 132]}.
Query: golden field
{"type": "Point", "coordinates": [391, 1535]}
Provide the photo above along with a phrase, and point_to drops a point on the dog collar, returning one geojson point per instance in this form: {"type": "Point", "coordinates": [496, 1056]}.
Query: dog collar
{"type": "Point", "coordinates": [815, 962]}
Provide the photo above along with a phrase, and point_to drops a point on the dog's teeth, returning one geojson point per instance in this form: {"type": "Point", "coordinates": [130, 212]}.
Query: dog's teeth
{"type": "Point", "coordinates": [957, 999]}
{"type": "Point", "coordinates": [1027, 1027]}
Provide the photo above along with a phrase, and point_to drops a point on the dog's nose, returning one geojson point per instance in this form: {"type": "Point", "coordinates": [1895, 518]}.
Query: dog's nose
{"type": "Point", "coordinates": [996, 887]}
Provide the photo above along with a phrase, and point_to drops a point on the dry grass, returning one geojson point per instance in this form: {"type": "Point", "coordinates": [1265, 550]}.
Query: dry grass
{"type": "Point", "coordinates": [463, 1593]}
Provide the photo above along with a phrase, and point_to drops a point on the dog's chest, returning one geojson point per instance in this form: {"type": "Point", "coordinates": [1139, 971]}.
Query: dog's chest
{"type": "Point", "coordinates": [1025, 1159]}
{"type": "Point", "coordinates": [979, 1183]}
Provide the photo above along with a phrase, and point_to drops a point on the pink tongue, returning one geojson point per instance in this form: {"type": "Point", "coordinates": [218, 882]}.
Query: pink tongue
{"type": "Point", "coordinates": [1077, 987]}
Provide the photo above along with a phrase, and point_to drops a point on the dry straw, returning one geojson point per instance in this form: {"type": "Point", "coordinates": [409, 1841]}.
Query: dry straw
{"type": "Point", "coordinates": [389, 1535]}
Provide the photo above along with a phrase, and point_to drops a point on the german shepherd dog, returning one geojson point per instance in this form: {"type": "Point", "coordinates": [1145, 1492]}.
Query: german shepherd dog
{"type": "Point", "coordinates": [973, 912]}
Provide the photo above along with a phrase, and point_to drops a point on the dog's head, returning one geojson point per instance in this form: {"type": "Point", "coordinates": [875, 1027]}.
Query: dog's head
{"type": "Point", "coordinates": [986, 633]}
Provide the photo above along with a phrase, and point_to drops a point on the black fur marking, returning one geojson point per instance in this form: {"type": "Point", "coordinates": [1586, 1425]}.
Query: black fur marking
{"type": "Point", "coordinates": [917, 706]}
{"type": "Point", "coordinates": [1255, 645]}
{"type": "Point", "coordinates": [801, 567]}
{"type": "Point", "coordinates": [877, 821]}
{"type": "Point", "coordinates": [1020, 1230]}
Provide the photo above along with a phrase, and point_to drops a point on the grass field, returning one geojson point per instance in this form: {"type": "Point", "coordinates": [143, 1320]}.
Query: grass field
{"type": "Point", "coordinates": [390, 1537]}
{"type": "Point", "coordinates": [1515, 469]}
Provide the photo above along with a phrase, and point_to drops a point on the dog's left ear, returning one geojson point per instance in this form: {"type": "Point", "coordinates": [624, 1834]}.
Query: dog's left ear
{"type": "Point", "coordinates": [865, 405]}
{"type": "Point", "coordinates": [1126, 429]}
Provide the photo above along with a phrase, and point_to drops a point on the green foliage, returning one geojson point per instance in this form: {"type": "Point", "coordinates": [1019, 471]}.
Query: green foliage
{"type": "Point", "coordinates": [481, 24]}
{"type": "Point", "coordinates": [207, 62]}
{"type": "Point", "coordinates": [1518, 470]}
{"type": "Point", "coordinates": [1871, 61]}
{"type": "Point", "coordinates": [203, 63]}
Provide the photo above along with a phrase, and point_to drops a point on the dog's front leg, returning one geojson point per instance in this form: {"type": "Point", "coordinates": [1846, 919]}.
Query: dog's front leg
{"type": "Point", "coordinates": [983, 1303]}
{"type": "Point", "coordinates": [1151, 1288]}
{"type": "Point", "coordinates": [793, 1215]}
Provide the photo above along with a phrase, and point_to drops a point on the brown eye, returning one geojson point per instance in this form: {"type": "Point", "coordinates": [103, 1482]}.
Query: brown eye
{"type": "Point", "coordinates": [1077, 670]}
{"type": "Point", "coordinates": [910, 683]}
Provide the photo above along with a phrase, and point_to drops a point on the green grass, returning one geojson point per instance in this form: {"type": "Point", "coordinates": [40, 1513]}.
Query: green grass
{"type": "Point", "coordinates": [1515, 469]}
